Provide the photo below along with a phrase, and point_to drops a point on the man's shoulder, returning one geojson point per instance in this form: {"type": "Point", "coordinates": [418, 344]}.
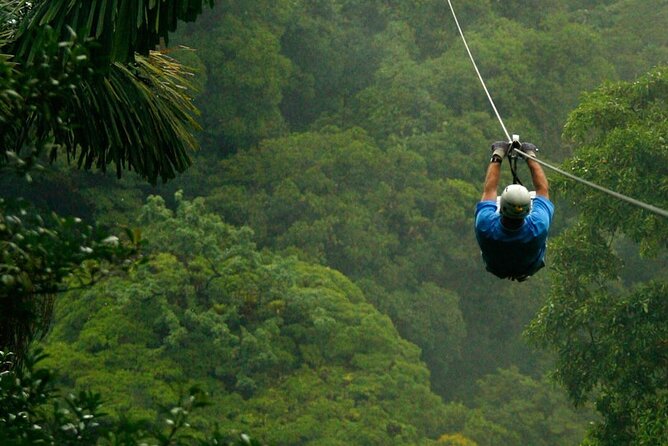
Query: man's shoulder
{"type": "Point", "coordinates": [543, 204]}
{"type": "Point", "coordinates": [544, 200]}
{"type": "Point", "coordinates": [485, 209]}
{"type": "Point", "coordinates": [485, 216]}
{"type": "Point", "coordinates": [486, 202]}
{"type": "Point", "coordinates": [541, 215]}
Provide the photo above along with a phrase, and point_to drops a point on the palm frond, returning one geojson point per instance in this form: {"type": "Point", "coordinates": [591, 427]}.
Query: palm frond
{"type": "Point", "coordinates": [140, 117]}
{"type": "Point", "coordinates": [12, 13]}
{"type": "Point", "coordinates": [122, 27]}
{"type": "Point", "coordinates": [81, 94]}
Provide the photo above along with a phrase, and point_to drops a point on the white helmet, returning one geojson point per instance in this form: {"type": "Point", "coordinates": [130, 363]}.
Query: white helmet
{"type": "Point", "coordinates": [515, 202]}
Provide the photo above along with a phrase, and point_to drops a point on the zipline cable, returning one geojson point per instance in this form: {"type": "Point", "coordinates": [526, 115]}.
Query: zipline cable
{"type": "Point", "coordinates": [489, 96]}
{"type": "Point", "coordinates": [617, 195]}
{"type": "Point", "coordinates": [623, 197]}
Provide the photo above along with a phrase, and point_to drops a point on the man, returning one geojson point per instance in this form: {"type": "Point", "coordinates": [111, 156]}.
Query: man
{"type": "Point", "coordinates": [513, 238]}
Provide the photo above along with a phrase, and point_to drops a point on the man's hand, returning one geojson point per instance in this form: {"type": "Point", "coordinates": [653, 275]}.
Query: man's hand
{"type": "Point", "coordinates": [500, 148]}
{"type": "Point", "coordinates": [528, 149]}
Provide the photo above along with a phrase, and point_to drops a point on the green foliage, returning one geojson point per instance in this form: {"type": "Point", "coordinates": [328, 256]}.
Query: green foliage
{"type": "Point", "coordinates": [25, 392]}
{"type": "Point", "coordinates": [153, 138]}
{"type": "Point", "coordinates": [32, 96]}
{"type": "Point", "coordinates": [331, 49]}
{"type": "Point", "coordinates": [455, 440]}
{"type": "Point", "coordinates": [95, 119]}
{"type": "Point", "coordinates": [122, 27]}
{"type": "Point", "coordinates": [531, 75]}
{"type": "Point", "coordinates": [32, 412]}
{"type": "Point", "coordinates": [536, 411]}
{"type": "Point", "coordinates": [621, 130]}
{"type": "Point", "coordinates": [239, 48]}
{"type": "Point", "coordinates": [511, 408]}
{"type": "Point", "coordinates": [398, 223]}
{"type": "Point", "coordinates": [402, 69]}
{"type": "Point", "coordinates": [609, 339]}
{"type": "Point", "coordinates": [42, 255]}
{"type": "Point", "coordinates": [52, 98]}
{"type": "Point", "coordinates": [389, 206]}
{"type": "Point", "coordinates": [610, 348]}
{"type": "Point", "coordinates": [528, 13]}
{"type": "Point", "coordinates": [59, 95]}
{"type": "Point", "coordinates": [289, 351]}
{"type": "Point", "coordinates": [400, 102]}
{"type": "Point", "coordinates": [634, 44]}
{"type": "Point", "coordinates": [375, 216]}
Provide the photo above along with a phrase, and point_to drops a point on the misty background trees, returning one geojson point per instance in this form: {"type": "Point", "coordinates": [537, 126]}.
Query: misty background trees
{"type": "Point", "coordinates": [314, 269]}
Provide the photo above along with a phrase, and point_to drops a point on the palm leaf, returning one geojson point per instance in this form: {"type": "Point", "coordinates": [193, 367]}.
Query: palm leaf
{"type": "Point", "coordinates": [139, 117]}
{"type": "Point", "coordinates": [132, 109]}
{"type": "Point", "coordinates": [122, 27]}
{"type": "Point", "coordinates": [11, 14]}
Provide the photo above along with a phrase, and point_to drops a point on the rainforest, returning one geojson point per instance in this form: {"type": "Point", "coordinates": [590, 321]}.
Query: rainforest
{"type": "Point", "coordinates": [251, 222]}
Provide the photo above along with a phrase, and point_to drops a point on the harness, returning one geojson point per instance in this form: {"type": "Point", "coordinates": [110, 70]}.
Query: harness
{"type": "Point", "coordinates": [513, 157]}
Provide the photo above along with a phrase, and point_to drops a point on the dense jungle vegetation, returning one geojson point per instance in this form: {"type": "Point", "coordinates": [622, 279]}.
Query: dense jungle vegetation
{"type": "Point", "coordinates": [251, 222]}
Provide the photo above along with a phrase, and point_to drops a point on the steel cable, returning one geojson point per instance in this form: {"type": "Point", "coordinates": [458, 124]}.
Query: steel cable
{"type": "Point", "coordinates": [633, 201]}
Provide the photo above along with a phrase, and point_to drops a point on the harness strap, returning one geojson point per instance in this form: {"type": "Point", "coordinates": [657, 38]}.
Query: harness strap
{"type": "Point", "coordinates": [512, 160]}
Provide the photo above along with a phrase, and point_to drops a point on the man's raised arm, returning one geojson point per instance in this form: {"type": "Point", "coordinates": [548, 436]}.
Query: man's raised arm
{"type": "Point", "coordinates": [499, 151]}
{"type": "Point", "coordinates": [538, 177]}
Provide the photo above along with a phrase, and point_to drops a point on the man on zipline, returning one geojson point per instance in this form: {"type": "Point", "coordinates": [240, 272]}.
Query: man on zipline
{"type": "Point", "coordinates": [513, 237]}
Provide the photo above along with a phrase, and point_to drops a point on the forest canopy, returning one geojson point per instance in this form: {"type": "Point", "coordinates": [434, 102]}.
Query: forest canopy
{"type": "Point", "coordinates": [305, 271]}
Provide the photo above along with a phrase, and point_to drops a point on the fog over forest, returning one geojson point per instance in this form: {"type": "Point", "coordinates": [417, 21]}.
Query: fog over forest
{"type": "Point", "coordinates": [236, 222]}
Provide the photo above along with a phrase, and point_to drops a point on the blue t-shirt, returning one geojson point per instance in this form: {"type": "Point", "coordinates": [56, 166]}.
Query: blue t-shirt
{"type": "Point", "coordinates": [513, 252]}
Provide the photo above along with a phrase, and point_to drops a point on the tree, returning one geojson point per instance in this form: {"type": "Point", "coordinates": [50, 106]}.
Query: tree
{"type": "Point", "coordinates": [535, 410]}
{"type": "Point", "coordinates": [289, 350]}
{"type": "Point", "coordinates": [331, 48]}
{"type": "Point", "coordinates": [81, 79]}
{"type": "Point", "coordinates": [33, 412]}
{"type": "Point", "coordinates": [43, 255]}
{"type": "Point", "coordinates": [610, 339]}
{"type": "Point", "coordinates": [620, 129]}
{"type": "Point", "coordinates": [633, 43]}
{"type": "Point", "coordinates": [94, 113]}
{"type": "Point", "coordinates": [335, 198]}
{"type": "Point", "coordinates": [238, 46]}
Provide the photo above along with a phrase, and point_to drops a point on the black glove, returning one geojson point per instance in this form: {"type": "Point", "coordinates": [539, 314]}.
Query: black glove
{"type": "Point", "coordinates": [500, 148]}
{"type": "Point", "coordinates": [529, 149]}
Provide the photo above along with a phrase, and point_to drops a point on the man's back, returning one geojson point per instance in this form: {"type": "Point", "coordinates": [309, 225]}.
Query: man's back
{"type": "Point", "coordinates": [513, 252]}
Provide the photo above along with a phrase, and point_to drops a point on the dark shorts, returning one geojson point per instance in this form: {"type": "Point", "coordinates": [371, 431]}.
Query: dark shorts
{"type": "Point", "coordinates": [519, 276]}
